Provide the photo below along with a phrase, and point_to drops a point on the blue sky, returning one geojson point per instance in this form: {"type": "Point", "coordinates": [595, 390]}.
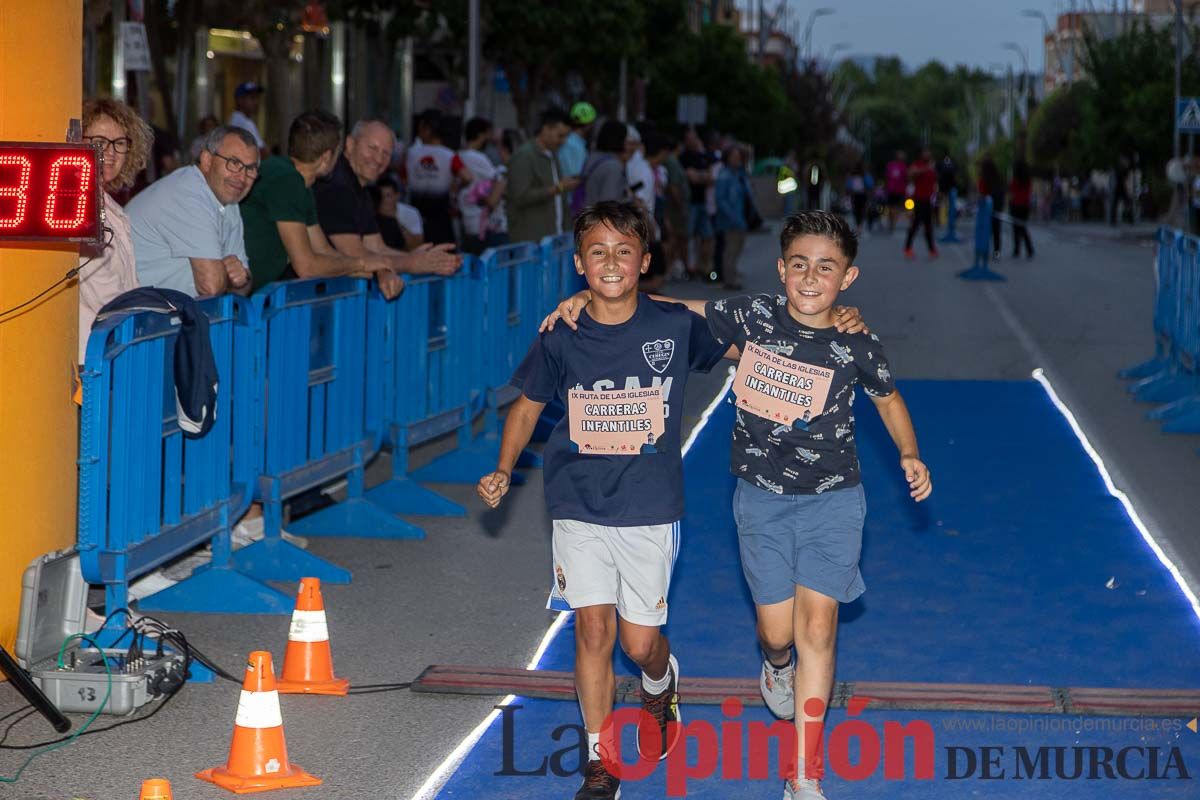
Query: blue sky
{"type": "Point", "coordinates": [951, 31]}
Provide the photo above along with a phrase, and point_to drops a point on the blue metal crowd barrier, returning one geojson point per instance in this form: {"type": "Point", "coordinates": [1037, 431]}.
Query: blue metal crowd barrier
{"type": "Point", "coordinates": [1172, 376]}
{"type": "Point", "coordinates": [512, 278]}
{"type": "Point", "coordinates": [979, 270]}
{"type": "Point", "coordinates": [434, 347]}
{"type": "Point", "coordinates": [314, 346]}
{"type": "Point", "coordinates": [148, 494]}
{"type": "Point", "coordinates": [314, 377]}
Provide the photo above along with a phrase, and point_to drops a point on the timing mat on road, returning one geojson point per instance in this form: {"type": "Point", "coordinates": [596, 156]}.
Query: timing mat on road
{"type": "Point", "coordinates": [1022, 573]}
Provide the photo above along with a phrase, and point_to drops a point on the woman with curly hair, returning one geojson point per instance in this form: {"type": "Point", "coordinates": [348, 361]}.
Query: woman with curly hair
{"type": "Point", "coordinates": [125, 141]}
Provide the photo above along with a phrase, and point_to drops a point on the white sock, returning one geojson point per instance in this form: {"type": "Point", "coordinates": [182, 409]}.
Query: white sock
{"type": "Point", "coordinates": [593, 746]}
{"type": "Point", "coordinates": [657, 686]}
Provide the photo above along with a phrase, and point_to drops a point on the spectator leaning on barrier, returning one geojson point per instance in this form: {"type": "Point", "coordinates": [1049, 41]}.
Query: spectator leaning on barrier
{"type": "Point", "coordinates": [283, 238]}
{"type": "Point", "coordinates": [111, 271]}
{"type": "Point", "coordinates": [536, 184]}
{"type": "Point", "coordinates": [187, 227]}
{"type": "Point", "coordinates": [478, 200]}
{"type": "Point", "coordinates": [346, 210]}
{"type": "Point", "coordinates": [574, 151]}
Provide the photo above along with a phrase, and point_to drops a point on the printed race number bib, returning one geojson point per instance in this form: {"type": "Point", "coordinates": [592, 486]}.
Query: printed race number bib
{"type": "Point", "coordinates": [616, 423]}
{"type": "Point", "coordinates": [780, 389]}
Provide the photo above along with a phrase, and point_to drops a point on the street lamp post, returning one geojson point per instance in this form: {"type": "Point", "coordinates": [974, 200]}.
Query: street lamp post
{"type": "Point", "coordinates": [812, 17]}
{"type": "Point", "coordinates": [1046, 32]}
{"type": "Point", "coordinates": [1016, 48]}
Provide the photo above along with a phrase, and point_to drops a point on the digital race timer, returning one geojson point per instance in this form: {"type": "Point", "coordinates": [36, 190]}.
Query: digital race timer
{"type": "Point", "coordinates": [50, 192]}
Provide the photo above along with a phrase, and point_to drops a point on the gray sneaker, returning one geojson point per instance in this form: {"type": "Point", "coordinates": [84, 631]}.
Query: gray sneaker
{"type": "Point", "coordinates": [803, 789]}
{"type": "Point", "coordinates": [776, 687]}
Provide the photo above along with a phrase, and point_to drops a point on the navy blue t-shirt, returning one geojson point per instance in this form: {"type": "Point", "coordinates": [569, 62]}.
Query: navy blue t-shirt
{"type": "Point", "coordinates": [658, 346]}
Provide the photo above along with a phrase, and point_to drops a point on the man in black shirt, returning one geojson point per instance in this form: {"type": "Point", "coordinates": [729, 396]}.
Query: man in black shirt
{"type": "Point", "coordinates": [697, 165]}
{"type": "Point", "coordinates": [346, 210]}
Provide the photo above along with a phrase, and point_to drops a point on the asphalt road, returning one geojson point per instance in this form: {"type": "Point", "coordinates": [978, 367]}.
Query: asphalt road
{"type": "Point", "coordinates": [474, 590]}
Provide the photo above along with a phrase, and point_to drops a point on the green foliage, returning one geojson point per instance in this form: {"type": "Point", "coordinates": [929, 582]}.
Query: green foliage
{"type": "Point", "coordinates": [897, 110]}
{"type": "Point", "coordinates": [1127, 108]}
{"type": "Point", "coordinates": [743, 98]}
{"type": "Point", "coordinates": [1054, 130]}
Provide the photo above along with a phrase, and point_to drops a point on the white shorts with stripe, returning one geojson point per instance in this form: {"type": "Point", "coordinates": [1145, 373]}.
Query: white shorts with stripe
{"type": "Point", "coordinates": [629, 567]}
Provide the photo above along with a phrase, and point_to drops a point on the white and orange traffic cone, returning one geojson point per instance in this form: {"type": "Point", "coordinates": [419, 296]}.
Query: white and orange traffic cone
{"type": "Point", "coordinates": [155, 789]}
{"type": "Point", "coordinates": [308, 662]}
{"type": "Point", "coordinates": [258, 759]}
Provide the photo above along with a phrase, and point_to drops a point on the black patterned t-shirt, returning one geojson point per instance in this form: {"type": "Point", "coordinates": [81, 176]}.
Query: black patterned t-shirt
{"type": "Point", "coordinates": [822, 456]}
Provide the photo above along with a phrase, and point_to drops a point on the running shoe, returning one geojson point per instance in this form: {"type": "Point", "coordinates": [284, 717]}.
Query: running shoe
{"type": "Point", "coordinates": [663, 709]}
{"type": "Point", "coordinates": [909, 254]}
{"type": "Point", "coordinates": [803, 789]}
{"type": "Point", "coordinates": [598, 783]}
{"type": "Point", "coordinates": [776, 687]}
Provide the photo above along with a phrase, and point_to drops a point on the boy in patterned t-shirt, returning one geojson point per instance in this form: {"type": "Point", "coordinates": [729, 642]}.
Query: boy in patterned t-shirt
{"type": "Point", "coordinates": [799, 506]}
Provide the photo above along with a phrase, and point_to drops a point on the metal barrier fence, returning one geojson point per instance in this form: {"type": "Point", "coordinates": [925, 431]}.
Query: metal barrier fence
{"type": "Point", "coordinates": [512, 277]}
{"type": "Point", "coordinates": [1172, 377]}
{"type": "Point", "coordinates": [314, 378]}
{"type": "Point", "coordinates": [147, 493]}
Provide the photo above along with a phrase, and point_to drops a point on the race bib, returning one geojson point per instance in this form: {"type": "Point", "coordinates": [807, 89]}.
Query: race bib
{"type": "Point", "coordinates": [616, 423]}
{"type": "Point", "coordinates": [779, 389]}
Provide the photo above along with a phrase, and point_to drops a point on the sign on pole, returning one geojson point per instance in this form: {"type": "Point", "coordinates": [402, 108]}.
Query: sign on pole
{"type": "Point", "coordinates": [1187, 114]}
{"type": "Point", "coordinates": [137, 48]}
{"type": "Point", "coordinates": [691, 109]}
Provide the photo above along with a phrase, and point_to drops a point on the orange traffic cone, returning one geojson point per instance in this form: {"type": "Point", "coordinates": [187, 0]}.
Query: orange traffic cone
{"type": "Point", "coordinates": [258, 759]}
{"type": "Point", "coordinates": [155, 789]}
{"type": "Point", "coordinates": [308, 663]}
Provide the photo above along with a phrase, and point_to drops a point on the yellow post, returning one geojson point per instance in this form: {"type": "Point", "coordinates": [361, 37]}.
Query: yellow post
{"type": "Point", "coordinates": [41, 68]}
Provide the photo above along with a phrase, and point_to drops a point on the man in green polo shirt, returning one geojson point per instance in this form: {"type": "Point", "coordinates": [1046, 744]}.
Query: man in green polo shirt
{"type": "Point", "coordinates": [283, 239]}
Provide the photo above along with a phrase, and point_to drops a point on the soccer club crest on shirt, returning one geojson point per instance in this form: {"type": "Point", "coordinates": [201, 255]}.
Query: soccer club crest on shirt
{"type": "Point", "coordinates": [658, 354]}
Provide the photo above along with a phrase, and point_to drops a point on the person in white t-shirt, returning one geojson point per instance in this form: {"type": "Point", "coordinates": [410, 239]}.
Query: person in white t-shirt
{"type": "Point", "coordinates": [247, 97]}
{"type": "Point", "coordinates": [479, 200]}
{"type": "Point", "coordinates": [433, 172]}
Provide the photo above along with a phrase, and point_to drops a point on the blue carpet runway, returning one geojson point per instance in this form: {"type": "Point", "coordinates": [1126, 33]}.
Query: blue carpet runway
{"type": "Point", "coordinates": [1001, 577]}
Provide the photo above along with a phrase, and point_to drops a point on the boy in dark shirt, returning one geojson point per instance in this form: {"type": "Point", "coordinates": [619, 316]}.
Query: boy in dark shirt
{"type": "Point", "coordinates": [799, 505]}
{"type": "Point", "coordinates": [613, 472]}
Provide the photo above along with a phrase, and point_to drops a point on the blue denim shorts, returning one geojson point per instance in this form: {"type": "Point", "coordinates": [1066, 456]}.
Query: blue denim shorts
{"type": "Point", "coordinates": [789, 540]}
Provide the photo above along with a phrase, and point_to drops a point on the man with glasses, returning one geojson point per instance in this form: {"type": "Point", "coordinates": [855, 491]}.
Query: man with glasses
{"type": "Point", "coordinates": [282, 235]}
{"type": "Point", "coordinates": [187, 228]}
{"type": "Point", "coordinates": [346, 210]}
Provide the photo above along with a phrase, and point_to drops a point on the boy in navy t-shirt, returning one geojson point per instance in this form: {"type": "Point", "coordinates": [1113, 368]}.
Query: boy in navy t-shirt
{"type": "Point", "coordinates": [613, 472]}
{"type": "Point", "coordinates": [799, 505]}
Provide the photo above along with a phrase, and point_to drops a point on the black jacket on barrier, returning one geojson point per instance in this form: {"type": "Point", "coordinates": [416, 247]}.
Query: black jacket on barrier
{"type": "Point", "coordinates": [195, 368]}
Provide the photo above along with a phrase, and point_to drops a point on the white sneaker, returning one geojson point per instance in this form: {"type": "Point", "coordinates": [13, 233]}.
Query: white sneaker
{"type": "Point", "coordinates": [776, 687]}
{"type": "Point", "coordinates": [249, 531]}
{"type": "Point", "coordinates": [803, 789]}
{"type": "Point", "coordinates": [246, 532]}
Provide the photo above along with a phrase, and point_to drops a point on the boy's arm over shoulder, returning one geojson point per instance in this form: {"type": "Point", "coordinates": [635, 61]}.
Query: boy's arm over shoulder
{"type": "Point", "coordinates": [728, 318]}
{"type": "Point", "coordinates": [871, 361]}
